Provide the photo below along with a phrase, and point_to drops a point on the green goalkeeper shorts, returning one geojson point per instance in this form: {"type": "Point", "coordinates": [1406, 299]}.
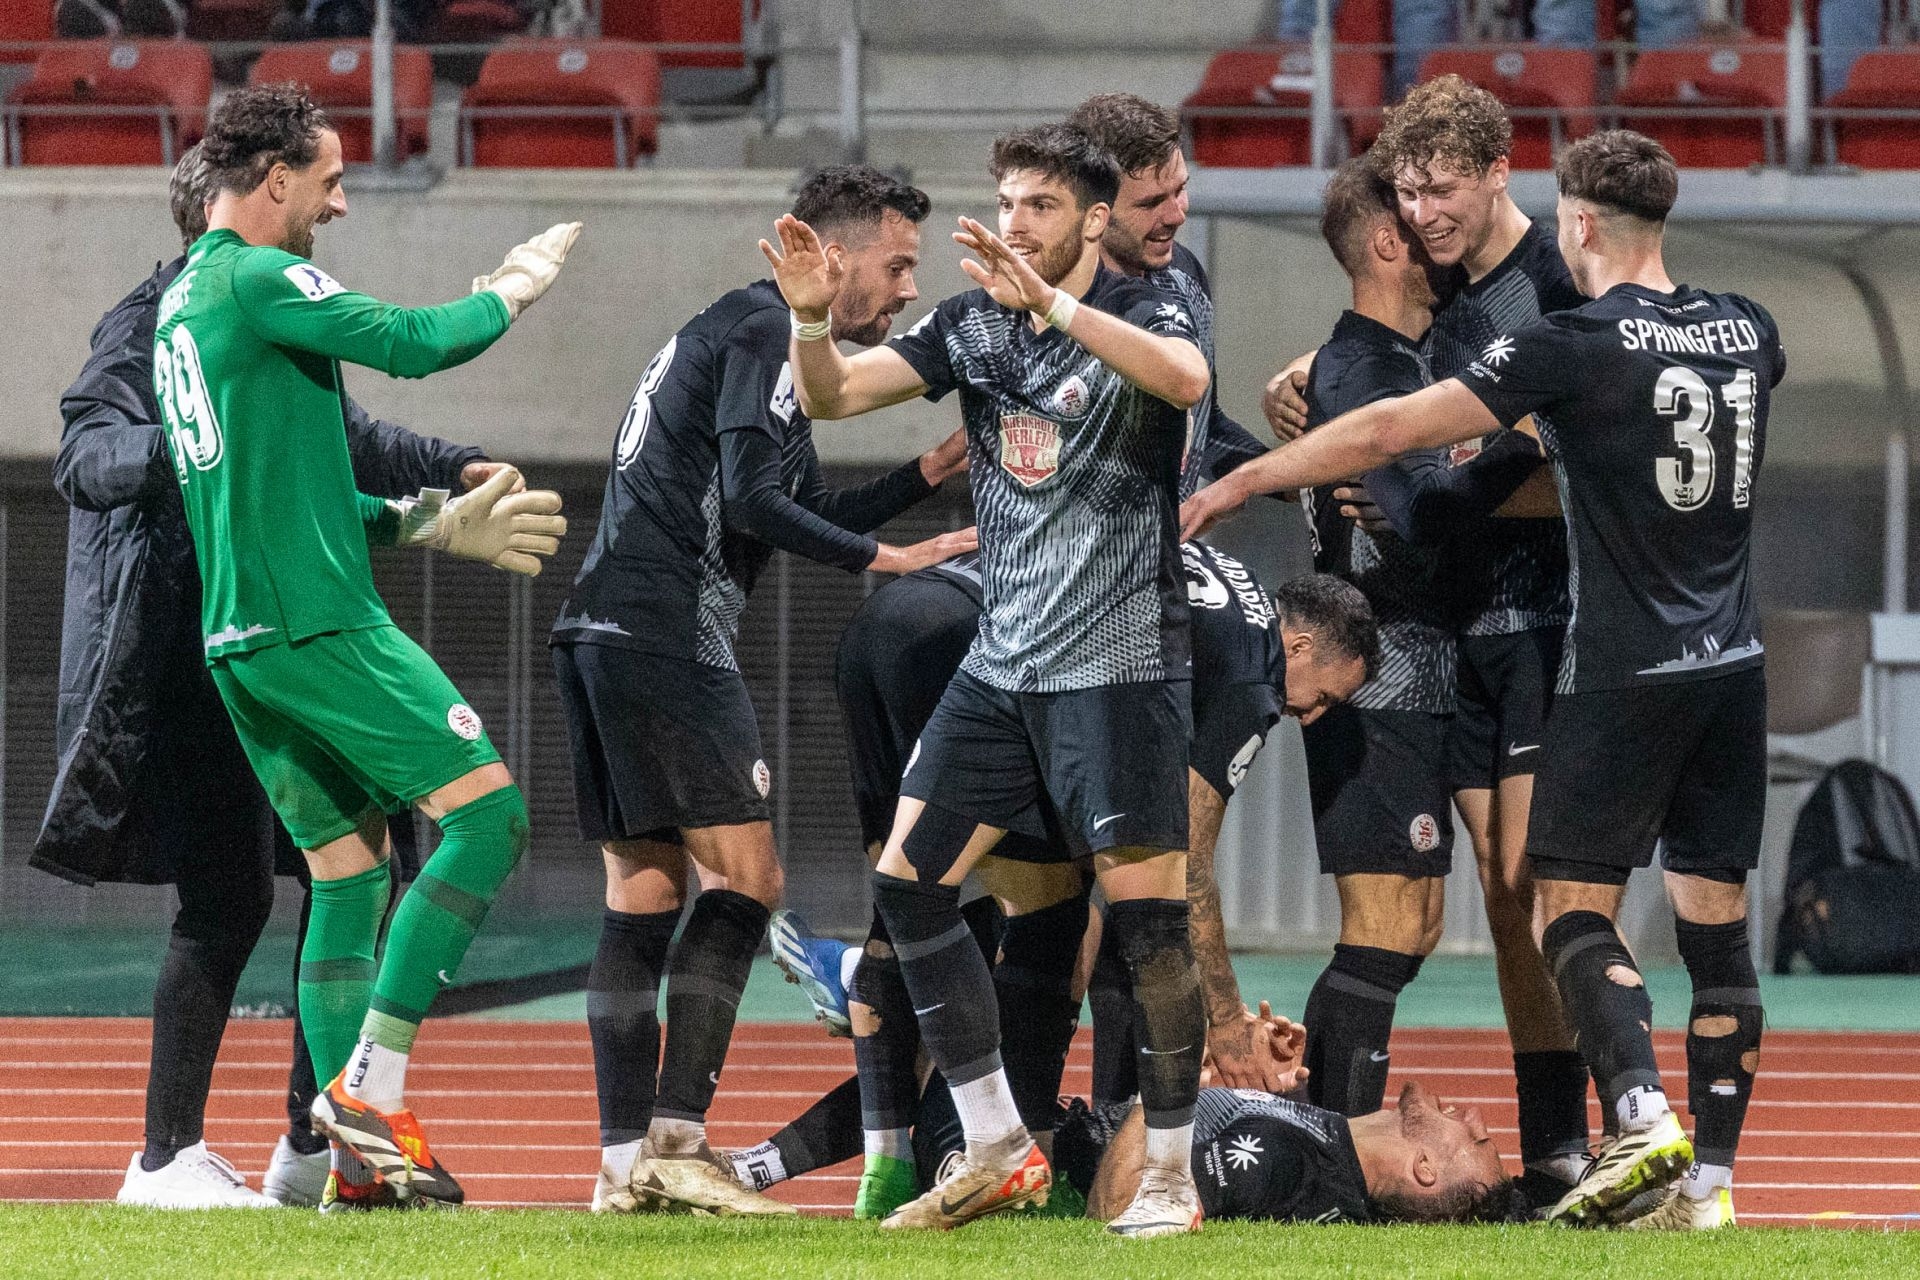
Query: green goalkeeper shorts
{"type": "Point", "coordinates": [346, 722]}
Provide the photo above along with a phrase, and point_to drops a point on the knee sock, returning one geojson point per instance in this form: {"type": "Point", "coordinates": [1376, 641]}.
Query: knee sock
{"type": "Point", "coordinates": [1606, 1001]}
{"type": "Point", "coordinates": [952, 993]}
{"type": "Point", "coordinates": [1110, 999]}
{"type": "Point", "coordinates": [1349, 1019]}
{"type": "Point", "coordinates": [337, 965]}
{"type": "Point", "coordinates": [1723, 1042]}
{"type": "Point", "coordinates": [431, 931]}
{"type": "Point", "coordinates": [1170, 1020]}
{"type": "Point", "coordinates": [819, 1137]}
{"type": "Point", "coordinates": [1033, 983]}
{"type": "Point", "coordinates": [623, 1018]}
{"type": "Point", "coordinates": [938, 1133]}
{"type": "Point", "coordinates": [705, 979]}
{"type": "Point", "coordinates": [1552, 1088]}
{"type": "Point", "coordinates": [886, 1060]}
{"type": "Point", "coordinates": [301, 1085]}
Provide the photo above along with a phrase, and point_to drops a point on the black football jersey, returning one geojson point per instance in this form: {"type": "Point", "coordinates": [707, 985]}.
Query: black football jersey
{"type": "Point", "coordinates": [1265, 1159]}
{"type": "Point", "coordinates": [1075, 475]}
{"type": "Point", "coordinates": [1216, 444]}
{"type": "Point", "coordinates": [1654, 409]}
{"type": "Point", "coordinates": [1511, 573]}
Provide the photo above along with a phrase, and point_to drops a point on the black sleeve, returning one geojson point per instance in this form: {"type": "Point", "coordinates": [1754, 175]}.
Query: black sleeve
{"type": "Point", "coordinates": [390, 461]}
{"type": "Point", "coordinates": [1229, 444]}
{"type": "Point", "coordinates": [1528, 370]}
{"type": "Point", "coordinates": [751, 437]}
{"type": "Point", "coordinates": [924, 346]}
{"type": "Point", "coordinates": [1162, 314]}
{"type": "Point", "coordinates": [863, 507]}
{"type": "Point", "coordinates": [1770, 339]}
{"type": "Point", "coordinates": [113, 451]}
{"type": "Point", "coordinates": [1425, 498]}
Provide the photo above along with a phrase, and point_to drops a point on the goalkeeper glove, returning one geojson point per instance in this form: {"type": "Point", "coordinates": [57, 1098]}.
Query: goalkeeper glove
{"type": "Point", "coordinates": [530, 268]}
{"type": "Point", "coordinates": [508, 530]}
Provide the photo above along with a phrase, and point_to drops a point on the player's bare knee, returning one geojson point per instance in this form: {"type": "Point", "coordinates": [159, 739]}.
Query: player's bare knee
{"type": "Point", "coordinates": [1621, 976]}
{"type": "Point", "coordinates": [1714, 1026]}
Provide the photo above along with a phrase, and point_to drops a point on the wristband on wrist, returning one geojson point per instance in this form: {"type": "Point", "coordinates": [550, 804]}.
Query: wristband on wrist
{"type": "Point", "coordinates": [811, 331]}
{"type": "Point", "coordinates": [1060, 314]}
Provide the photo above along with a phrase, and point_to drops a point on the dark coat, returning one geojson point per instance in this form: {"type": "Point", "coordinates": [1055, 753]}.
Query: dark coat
{"type": "Point", "coordinates": [149, 767]}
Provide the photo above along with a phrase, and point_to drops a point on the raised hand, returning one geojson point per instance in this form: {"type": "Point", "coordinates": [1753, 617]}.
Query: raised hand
{"type": "Point", "coordinates": [1207, 508]}
{"type": "Point", "coordinates": [809, 277]}
{"type": "Point", "coordinates": [1004, 274]}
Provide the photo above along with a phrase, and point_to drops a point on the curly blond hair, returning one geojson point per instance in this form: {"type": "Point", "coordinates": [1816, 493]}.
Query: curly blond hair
{"type": "Point", "coordinates": [1446, 123]}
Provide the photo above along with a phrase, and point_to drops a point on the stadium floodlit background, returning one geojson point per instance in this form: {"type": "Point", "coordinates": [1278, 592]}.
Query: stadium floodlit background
{"type": "Point", "coordinates": [678, 128]}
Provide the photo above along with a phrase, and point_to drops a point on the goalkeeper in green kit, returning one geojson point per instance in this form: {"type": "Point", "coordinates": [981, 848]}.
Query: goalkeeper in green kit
{"type": "Point", "coordinates": [342, 716]}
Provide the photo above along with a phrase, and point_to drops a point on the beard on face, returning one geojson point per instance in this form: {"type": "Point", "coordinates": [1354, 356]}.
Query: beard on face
{"type": "Point", "coordinates": [299, 241]}
{"type": "Point", "coordinates": [1052, 262]}
{"type": "Point", "coordinates": [872, 333]}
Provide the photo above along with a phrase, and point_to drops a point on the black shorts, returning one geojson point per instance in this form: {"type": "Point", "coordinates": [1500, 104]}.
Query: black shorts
{"type": "Point", "coordinates": [1382, 803]}
{"type": "Point", "coordinates": [1505, 689]}
{"type": "Point", "coordinates": [1238, 675]}
{"type": "Point", "coordinates": [659, 744]}
{"type": "Point", "coordinates": [1104, 768]}
{"type": "Point", "coordinates": [1230, 725]}
{"type": "Point", "coordinates": [1683, 764]}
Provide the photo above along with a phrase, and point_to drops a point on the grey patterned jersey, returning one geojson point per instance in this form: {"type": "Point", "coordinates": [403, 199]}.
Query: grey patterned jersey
{"type": "Point", "coordinates": [1076, 478]}
{"type": "Point", "coordinates": [1362, 362]}
{"type": "Point", "coordinates": [1512, 573]}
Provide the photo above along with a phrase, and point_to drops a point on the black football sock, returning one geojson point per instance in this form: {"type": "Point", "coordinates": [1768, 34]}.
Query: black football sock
{"type": "Point", "coordinates": [1116, 1077]}
{"type": "Point", "coordinates": [946, 976]}
{"type": "Point", "coordinates": [824, 1134]}
{"type": "Point", "coordinates": [1606, 1000]}
{"type": "Point", "coordinates": [302, 1088]}
{"type": "Point", "coordinates": [1723, 1035]}
{"type": "Point", "coordinates": [1170, 1016]}
{"type": "Point", "coordinates": [938, 1132]}
{"type": "Point", "coordinates": [705, 979]}
{"type": "Point", "coordinates": [1552, 1088]}
{"type": "Point", "coordinates": [1038, 1014]}
{"type": "Point", "coordinates": [887, 1059]}
{"type": "Point", "coordinates": [1349, 1019]}
{"type": "Point", "coordinates": [623, 1018]}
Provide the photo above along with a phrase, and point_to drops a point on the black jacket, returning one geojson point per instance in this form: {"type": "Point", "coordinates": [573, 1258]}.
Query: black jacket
{"type": "Point", "coordinates": [132, 666]}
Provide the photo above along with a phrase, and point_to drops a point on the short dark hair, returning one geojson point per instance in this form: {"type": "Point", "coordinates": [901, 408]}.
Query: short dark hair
{"type": "Point", "coordinates": [1462, 1202]}
{"type": "Point", "coordinates": [1622, 171]}
{"type": "Point", "coordinates": [258, 127]}
{"type": "Point", "coordinates": [1334, 612]}
{"type": "Point", "coordinates": [1447, 121]}
{"type": "Point", "coordinates": [1140, 135]}
{"type": "Point", "coordinates": [1356, 198]}
{"type": "Point", "coordinates": [1063, 152]}
{"type": "Point", "coordinates": [189, 188]}
{"type": "Point", "coordinates": [850, 195]}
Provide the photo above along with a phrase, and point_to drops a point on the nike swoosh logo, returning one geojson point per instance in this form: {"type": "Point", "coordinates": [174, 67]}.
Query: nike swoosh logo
{"type": "Point", "coordinates": [1377, 1056]}
{"type": "Point", "coordinates": [1516, 751]}
{"type": "Point", "coordinates": [1111, 818]}
{"type": "Point", "coordinates": [929, 1009]}
{"type": "Point", "coordinates": [951, 1207]}
{"type": "Point", "coordinates": [1161, 1053]}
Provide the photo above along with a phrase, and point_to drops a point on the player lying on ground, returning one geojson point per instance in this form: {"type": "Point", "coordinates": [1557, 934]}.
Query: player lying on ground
{"type": "Point", "coordinates": [1074, 384]}
{"type": "Point", "coordinates": [342, 716]}
{"type": "Point", "coordinates": [713, 469]}
{"type": "Point", "coordinates": [1663, 678]}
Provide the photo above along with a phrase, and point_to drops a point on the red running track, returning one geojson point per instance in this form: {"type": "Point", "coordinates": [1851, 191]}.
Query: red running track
{"type": "Point", "coordinates": [1833, 1137]}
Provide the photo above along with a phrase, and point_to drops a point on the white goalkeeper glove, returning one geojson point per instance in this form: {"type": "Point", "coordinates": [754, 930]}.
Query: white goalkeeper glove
{"type": "Point", "coordinates": [530, 268]}
{"type": "Point", "coordinates": [508, 530]}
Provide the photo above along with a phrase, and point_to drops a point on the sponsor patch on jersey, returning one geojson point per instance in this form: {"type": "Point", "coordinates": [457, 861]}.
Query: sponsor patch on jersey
{"type": "Point", "coordinates": [1072, 400]}
{"type": "Point", "coordinates": [463, 720]}
{"type": "Point", "coordinates": [762, 778]}
{"type": "Point", "coordinates": [1029, 447]}
{"type": "Point", "coordinates": [785, 400]}
{"type": "Point", "coordinates": [1423, 833]}
{"type": "Point", "coordinates": [312, 282]}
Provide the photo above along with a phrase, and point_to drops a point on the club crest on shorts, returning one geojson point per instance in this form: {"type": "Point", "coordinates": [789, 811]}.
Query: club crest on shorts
{"type": "Point", "coordinates": [762, 778]}
{"type": "Point", "coordinates": [1072, 400]}
{"type": "Point", "coordinates": [463, 720]}
{"type": "Point", "coordinates": [1029, 447]}
{"type": "Point", "coordinates": [1461, 454]}
{"type": "Point", "coordinates": [1424, 833]}
{"type": "Point", "coordinates": [1243, 760]}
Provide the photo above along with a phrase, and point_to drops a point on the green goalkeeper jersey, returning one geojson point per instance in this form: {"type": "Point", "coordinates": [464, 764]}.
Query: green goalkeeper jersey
{"type": "Point", "coordinates": [246, 368]}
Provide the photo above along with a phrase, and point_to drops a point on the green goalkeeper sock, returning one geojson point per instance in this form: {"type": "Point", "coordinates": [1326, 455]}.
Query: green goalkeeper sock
{"type": "Point", "coordinates": [336, 965]}
{"type": "Point", "coordinates": [435, 923]}
{"type": "Point", "coordinates": [886, 1183]}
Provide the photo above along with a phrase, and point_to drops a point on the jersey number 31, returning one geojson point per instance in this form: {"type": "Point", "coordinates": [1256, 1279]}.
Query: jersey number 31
{"type": "Point", "coordinates": [185, 404]}
{"type": "Point", "coordinates": [1686, 482]}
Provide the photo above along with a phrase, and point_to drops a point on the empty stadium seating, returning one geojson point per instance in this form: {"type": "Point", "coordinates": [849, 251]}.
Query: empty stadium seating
{"type": "Point", "coordinates": [1883, 79]}
{"type": "Point", "coordinates": [339, 75]}
{"type": "Point", "coordinates": [562, 104]}
{"type": "Point", "coordinates": [1551, 90]}
{"type": "Point", "coordinates": [111, 102]}
{"type": "Point", "coordinates": [1278, 75]}
{"type": "Point", "coordinates": [1714, 106]}
{"type": "Point", "coordinates": [682, 22]}
{"type": "Point", "coordinates": [24, 22]}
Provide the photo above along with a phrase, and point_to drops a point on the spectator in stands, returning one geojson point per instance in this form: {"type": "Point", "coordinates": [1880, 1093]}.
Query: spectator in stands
{"type": "Point", "coordinates": [1848, 28]}
{"type": "Point", "coordinates": [94, 19]}
{"type": "Point", "coordinates": [1420, 26]}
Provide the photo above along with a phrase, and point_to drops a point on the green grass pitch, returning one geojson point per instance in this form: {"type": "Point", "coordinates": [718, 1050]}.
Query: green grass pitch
{"type": "Point", "coordinates": [107, 1241]}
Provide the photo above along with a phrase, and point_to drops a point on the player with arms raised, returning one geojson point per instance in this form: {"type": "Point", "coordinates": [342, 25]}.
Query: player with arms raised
{"type": "Point", "coordinates": [1071, 708]}
{"type": "Point", "coordinates": [342, 716]}
{"type": "Point", "coordinates": [1654, 398]}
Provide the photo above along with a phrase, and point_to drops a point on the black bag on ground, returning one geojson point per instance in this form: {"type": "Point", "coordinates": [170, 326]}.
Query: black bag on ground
{"type": "Point", "coordinates": [1853, 876]}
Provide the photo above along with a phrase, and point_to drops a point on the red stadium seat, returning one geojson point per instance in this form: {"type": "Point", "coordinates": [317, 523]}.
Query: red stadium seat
{"type": "Point", "coordinates": [1278, 75]}
{"type": "Point", "coordinates": [1767, 19]}
{"type": "Point", "coordinates": [1883, 79]}
{"type": "Point", "coordinates": [684, 22]}
{"type": "Point", "coordinates": [112, 102]}
{"type": "Point", "coordinates": [24, 22]}
{"type": "Point", "coordinates": [339, 75]}
{"type": "Point", "coordinates": [1714, 106]}
{"type": "Point", "coordinates": [1557, 84]}
{"type": "Point", "coordinates": [562, 104]}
